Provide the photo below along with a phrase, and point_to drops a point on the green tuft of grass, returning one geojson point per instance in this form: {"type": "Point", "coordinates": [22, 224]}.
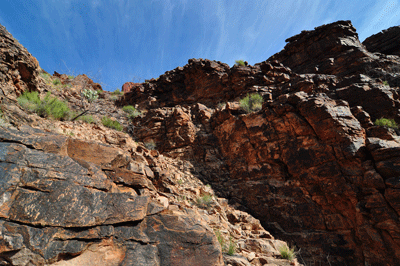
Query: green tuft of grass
{"type": "Point", "coordinates": [231, 247]}
{"type": "Point", "coordinates": [56, 82]}
{"type": "Point", "coordinates": [251, 103]}
{"type": "Point", "coordinates": [117, 92]}
{"type": "Point", "coordinates": [220, 238]}
{"type": "Point", "coordinates": [287, 253]}
{"type": "Point", "coordinates": [239, 62]}
{"type": "Point", "coordinates": [385, 83]}
{"type": "Point", "coordinates": [53, 107]}
{"type": "Point", "coordinates": [131, 111]}
{"type": "Point", "coordinates": [48, 107]}
{"type": "Point", "coordinates": [86, 118]}
{"type": "Point", "coordinates": [385, 122]}
{"type": "Point", "coordinates": [108, 122]}
{"type": "Point", "coordinates": [29, 100]}
{"type": "Point", "coordinates": [204, 201]}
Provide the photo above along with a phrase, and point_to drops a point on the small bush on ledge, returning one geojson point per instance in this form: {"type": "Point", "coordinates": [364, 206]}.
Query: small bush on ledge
{"type": "Point", "coordinates": [287, 253]}
{"type": "Point", "coordinates": [385, 122]}
{"type": "Point", "coordinates": [239, 63]}
{"type": "Point", "coordinates": [204, 201]}
{"type": "Point", "coordinates": [251, 103]}
{"type": "Point", "coordinates": [48, 107]}
{"type": "Point", "coordinates": [131, 111]}
{"type": "Point", "coordinates": [108, 122]}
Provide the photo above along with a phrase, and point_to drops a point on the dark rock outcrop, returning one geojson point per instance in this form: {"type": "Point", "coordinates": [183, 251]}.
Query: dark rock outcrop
{"type": "Point", "coordinates": [384, 42]}
{"type": "Point", "coordinates": [206, 82]}
{"type": "Point", "coordinates": [58, 202]}
{"type": "Point", "coordinates": [19, 70]}
{"type": "Point", "coordinates": [310, 165]}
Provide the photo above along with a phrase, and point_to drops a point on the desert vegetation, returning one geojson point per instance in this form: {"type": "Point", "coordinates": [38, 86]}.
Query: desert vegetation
{"type": "Point", "coordinates": [131, 111]}
{"type": "Point", "coordinates": [385, 122]}
{"type": "Point", "coordinates": [108, 122]}
{"type": "Point", "coordinates": [49, 106]}
{"type": "Point", "coordinates": [251, 103]}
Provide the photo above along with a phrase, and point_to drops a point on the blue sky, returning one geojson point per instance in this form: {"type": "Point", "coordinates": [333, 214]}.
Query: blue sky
{"type": "Point", "coordinates": [115, 41]}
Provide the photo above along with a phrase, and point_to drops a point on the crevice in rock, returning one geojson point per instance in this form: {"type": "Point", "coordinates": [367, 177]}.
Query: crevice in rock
{"type": "Point", "coordinates": [32, 188]}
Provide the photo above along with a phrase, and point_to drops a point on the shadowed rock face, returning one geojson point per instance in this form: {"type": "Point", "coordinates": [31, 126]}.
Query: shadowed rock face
{"type": "Point", "coordinates": [310, 165]}
{"type": "Point", "coordinates": [55, 201]}
{"type": "Point", "coordinates": [385, 42]}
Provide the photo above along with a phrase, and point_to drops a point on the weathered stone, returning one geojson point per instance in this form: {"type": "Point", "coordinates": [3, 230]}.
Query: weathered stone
{"type": "Point", "coordinates": [384, 42]}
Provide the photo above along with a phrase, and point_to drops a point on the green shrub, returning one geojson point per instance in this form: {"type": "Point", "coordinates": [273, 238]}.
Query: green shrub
{"type": "Point", "coordinates": [86, 118]}
{"type": "Point", "coordinates": [151, 145]}
{"type": "Point", "coordinates": [117, 92]}
{"type": "Point", "coordinates": [108, 122]}
{"type": "Point", "coordinates": [287, 253]}
{"type": "Point", "coordinates": [48, 107]}
{"type": "Point", "coordinates": [232, 247]}
{"type": "Point", "coordinates": [131, 111]}
{"type": "Point", "coordinates": [385, 122]}
{"type": "Point", "coordinates": [204, 201]}
{"type": "Point", "coordinates": [220, 238]}
{"type": "Point", "coordinates": [386, 83]}
{"type": "Point", "coordinates": [252, 102]}
{"type": "Point", "coordinates": [53, 107]}
{"type": "Point", "coordinates": [56, 82]}
{"type": "Point", "coordinates": [29, 100]}
{"type": "Point", "coordinates": [240, 63]}
{"type": "Point", "coordinates": [229, 249]}
{"type": "Point", "coordinates": [70, 77]}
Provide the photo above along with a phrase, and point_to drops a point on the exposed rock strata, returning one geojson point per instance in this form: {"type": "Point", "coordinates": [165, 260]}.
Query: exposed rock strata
{"type": "Point", "coordinates": [75, 193]}
{"type": "Point", "coordinates": [18, 68]}
{"type": "Point", "coordinates": [384, 42]}
{"type": "Point", "coordinates": [310, 165]}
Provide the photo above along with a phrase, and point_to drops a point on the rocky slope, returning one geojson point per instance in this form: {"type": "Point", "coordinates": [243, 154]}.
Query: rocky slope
{"type": "Point", "coordinates": [311, 165]}
{"type": "Point", "coordinates": [77, 193]}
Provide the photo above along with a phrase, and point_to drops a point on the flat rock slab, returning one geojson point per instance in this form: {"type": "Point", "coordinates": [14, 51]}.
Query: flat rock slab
{"type": "Point", "coordinates": [62, 210]}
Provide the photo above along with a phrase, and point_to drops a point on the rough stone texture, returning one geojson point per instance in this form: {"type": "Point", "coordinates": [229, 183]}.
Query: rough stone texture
{"type": "Point", "coordinates": [127, 87]}
{"type": "Point", "coordinates": [310, 165]}
{"type": "Point", "coordinates": [17, 66]}
{"type": "Point", "coordinates": [57, 206]}
{"type": "Point", "coordinates": [206, 82]}
{"type": "Point", "coordinates": [385, 42]}
{"type": "Point", "coordinates": [332, 49]}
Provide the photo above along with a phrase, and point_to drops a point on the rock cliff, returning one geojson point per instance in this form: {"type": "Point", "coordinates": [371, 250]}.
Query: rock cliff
{"type": "Point", "coordinates": [384, 42]}
{"type": "Point", "coordinates": [79, 193]}
{"type": "Point", "coordinates": [311, 165]}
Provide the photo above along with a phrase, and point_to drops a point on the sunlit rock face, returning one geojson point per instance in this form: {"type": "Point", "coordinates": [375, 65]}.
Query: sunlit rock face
{"type": "Point", "coordinates": [310, 165]}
